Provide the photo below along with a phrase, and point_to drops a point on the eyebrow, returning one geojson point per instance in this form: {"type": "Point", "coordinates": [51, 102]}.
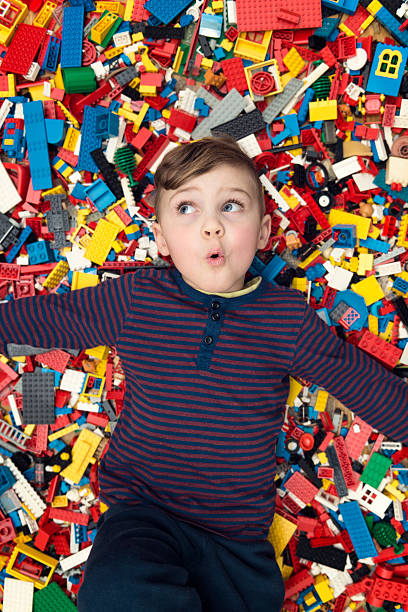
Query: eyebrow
{"type": "Point", "coordinates": [226, 189]}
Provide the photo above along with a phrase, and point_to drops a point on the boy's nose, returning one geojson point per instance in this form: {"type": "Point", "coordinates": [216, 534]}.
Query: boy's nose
{"type": "Point", "coordinates": [213, 227]}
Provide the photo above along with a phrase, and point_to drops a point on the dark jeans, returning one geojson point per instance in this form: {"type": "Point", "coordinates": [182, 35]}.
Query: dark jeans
{"type": "Point", "coordinates": [144, 560]}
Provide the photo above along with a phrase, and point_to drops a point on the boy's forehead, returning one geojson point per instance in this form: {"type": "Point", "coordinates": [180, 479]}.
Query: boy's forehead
{"type": "Point", "coordinates": [232, 177]}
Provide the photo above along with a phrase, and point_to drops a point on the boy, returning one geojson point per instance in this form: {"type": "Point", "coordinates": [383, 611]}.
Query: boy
{"type": "Point", "coordinates": [189, 475]}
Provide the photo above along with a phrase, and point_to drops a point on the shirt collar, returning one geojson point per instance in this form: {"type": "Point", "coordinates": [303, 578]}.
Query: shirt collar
{"type": "Point", "coordinates": [244, 297]}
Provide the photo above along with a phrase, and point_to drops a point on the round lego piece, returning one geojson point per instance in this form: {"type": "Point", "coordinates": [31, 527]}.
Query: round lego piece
{"type": "Point", "coordinates": [358, 60]}
{"type": "Point", "coordinates": [262, 83]}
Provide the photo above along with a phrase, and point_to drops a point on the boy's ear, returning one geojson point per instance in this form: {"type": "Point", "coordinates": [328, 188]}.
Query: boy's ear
{"type": "Point", "coordinates": [265, 231]}
{"type": "Point", "coordinates": [159, 238]}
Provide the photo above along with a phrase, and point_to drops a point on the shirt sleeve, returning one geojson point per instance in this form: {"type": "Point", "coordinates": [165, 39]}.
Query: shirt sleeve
{"type": "Point", "coordinates": [361, 383]}
{"type": "Point", "coordinates": [78, 319]}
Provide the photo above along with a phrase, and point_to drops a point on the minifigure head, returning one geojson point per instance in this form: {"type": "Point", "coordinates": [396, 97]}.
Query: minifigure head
{"type": "Point", "coordinates": [210, 213]}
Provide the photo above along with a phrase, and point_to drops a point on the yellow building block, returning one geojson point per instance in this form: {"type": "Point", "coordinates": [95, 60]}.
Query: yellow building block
{"type": "Point", "coordinates": [340, 217]}
{"type": "Point", "coordinates": [177, 60]}
{"type": "Point", "coordinates": [147, 90]}
{"type": "Point", "coordinates": [110, 53]}
{"type": "Point", "coordinates": [217, 6]}
{"type": "Point", "coordinates": [323, 588]}
{"type": "Point", "coordinates": [56, 276]}
{"type": "Point", "coordinates": [280, 533]}
{"type": "Point", "coordinates": [66, 112]}
{"type": "Point", "coordinates": [273, 69]}
{"type": "Point", "coordinates": [29, 429]}
{"type": "Point", "coordinates": [101, 241]}
{"type": "Point", "coordinates": [96, 390]}
{"type": "Point", "coordinates": [207, 63]}
{"type": "Point", "coordinates": [63, 432]}
{"type": "Point", "coordinates": [99, 352]}
{"type": "Point", "coordinates": [43, 17]}
{"type": "Point", "coordinates": [310, 259]}
{"type": "Point", "coordinates": [373, 324]}
{"type": "Point", "coordinates": [299, 283]}
{"type": "Point", "coordinates": [71, 139]}
{"type": "Point", "coordinates": [60, 501]}
{"type": "Point", "coordinates": [128, 10]}
{"type": "Point", "coordinates": [294, 390]}
{"type": "Point", "coordinates": [32, 553]}
{"type": "Point", "coordinates": [82, 279]}
{"type": "Point", "coordinates": [374, 7]}
{"type": "Point", "coordinates": [82, 452]}
{"type": "Point", "coordinates": [294, 62]}
{"type": "Point", "coordinates": [365, 263]}
{"type": "Point", "coordinates": [254, 51]}
{"type": "Point", "coordinates": [20, 10]}
{"type": "Point", "coordinates": [387, 333]}
{"type": "Point", "coordinates": [321, 400]}
{"type": "Point", "coordinates": [11, 87]}
{"type": "Point", "coordinates": [322, 458]}
{"type": "Point", "coordinates": [370, 289]}
{"type": "Point", "coordinates": [323, 110]}
{"type": "Point", "coordinates": [402, 240]}
{"type": "Point", "coordinates": [113, 7]}
{"type": "Point", "coordinates": [147, 62]}
{"type": "Point", "coordinates": [375, 232]}
{"type": "Point", "coordinates": [227, 44]}
{"type": "Point", "coordinates": [101, 29]}
{"type": "Point", "coordinates": [392, 492]}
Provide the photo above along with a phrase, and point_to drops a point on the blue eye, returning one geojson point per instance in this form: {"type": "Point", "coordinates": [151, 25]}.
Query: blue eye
{"type": "Point", "coordinates": [227, 203]}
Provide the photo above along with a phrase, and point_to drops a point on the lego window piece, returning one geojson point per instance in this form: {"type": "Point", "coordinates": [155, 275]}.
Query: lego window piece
{"type": "Point", "coordinates": [388, 63]}
{"type": "Point", "coordinates": [387, 69]}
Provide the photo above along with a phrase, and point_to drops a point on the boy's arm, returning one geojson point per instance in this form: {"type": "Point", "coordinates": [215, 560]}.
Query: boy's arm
{"type": "Point", "coordinates": [362, 384]}
{"type": "Point", "coordinates": [79, 319]}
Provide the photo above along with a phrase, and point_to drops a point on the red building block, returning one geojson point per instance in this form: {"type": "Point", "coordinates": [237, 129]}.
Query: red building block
{"type": "Point", "coordinates": [378, 348]}
{"type": "Point", "coordinates": [233, 70]}
{"type": "Point", "coordinates": [23, 48]}
{"type": "Point", "coordinates": [261, 15]}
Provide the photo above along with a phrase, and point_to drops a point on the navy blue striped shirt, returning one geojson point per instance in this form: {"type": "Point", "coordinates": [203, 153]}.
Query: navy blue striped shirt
{"type": "Point", "coordinates": [207, 378]}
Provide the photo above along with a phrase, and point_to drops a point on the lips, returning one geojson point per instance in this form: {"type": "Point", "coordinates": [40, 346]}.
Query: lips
{"type": "Point", "coordinates": [215, 253]}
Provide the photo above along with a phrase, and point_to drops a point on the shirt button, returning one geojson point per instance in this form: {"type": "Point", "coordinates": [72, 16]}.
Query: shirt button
{"type": "Point", "coordinates": [215, 316]}
{"type": "Point", "coordinates": [215, 305]}
{"type": "Point", "coordinates": [208, 339]}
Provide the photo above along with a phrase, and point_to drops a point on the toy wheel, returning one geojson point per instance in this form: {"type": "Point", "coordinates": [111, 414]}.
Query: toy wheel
{"type": "Point", "coordinates": [262, 83]}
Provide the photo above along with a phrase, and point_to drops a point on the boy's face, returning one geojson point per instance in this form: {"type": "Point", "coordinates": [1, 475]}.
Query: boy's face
{"type": "Point", "coordinates": [214, 211]}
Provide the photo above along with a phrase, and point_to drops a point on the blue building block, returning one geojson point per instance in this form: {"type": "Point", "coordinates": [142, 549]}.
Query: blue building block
{"type": "Point", "coordinates": [55, 130]}
{"type": "Point", "coordinates": [343, 6]}
{"type": "Point", "coordinates": [185, 20]}
{"type": "Point", "coordinates": [219, 54]}
{"type": "Point", "coordinates": [379, 181]}
{"type": "Point", "coordinates": [345, 236]}
{"type": "Point", "coordinates": [14, 251]}
{"type": "Point", "coordinates": [166, 11]}
{"type": "Point", "coordinates": [210, 25]}
{"type": "Point", "coordinates": [36, 136]}
{"type": "Point", "coordinates": [107, 124]}
{"type": "Point", "coordinates": [291, 128]}
{"type": "Point", "coordinates": [87, 4]}
{"type": "Point", "coordinates": [392, 24]}
{"type": "Point", "coordinates": [100, 194]}
{"type": "Point", "coordinates": [89, 140]}
{"type": "Point", "coordinates": [374, 245]}
{"type": "Point", "coordinates": [6, 479]}
{"type": "Point", "coordinates": [72, 29]}
{"type": "Point", "coordinates": [329, 24]}
{"type": "Point", "coordinates": [14, 143]}
{"type": "Point", "coordinates": [357, 529]}
{"type": "Point", "coordinates": [50, 62]}
{"type": "Point", "coordinates": [387, 69]}
{"type": "Point", "coordinates": [39, 252]}
{"type": "Point", "coordinates": [400, 284]}
{"type": "Point", "coordinates": [304, 107]}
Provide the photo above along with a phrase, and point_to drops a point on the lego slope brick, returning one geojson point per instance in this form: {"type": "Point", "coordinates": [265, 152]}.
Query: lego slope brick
{"type": "Point", "coordinates": [262, 15]}
{"type": "Point", "coordinates": [23, 48]}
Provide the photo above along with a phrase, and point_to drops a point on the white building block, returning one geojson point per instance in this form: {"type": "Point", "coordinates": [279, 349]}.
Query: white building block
{"type": "Point", "coordinates": [18, 595]}
{"type": "Point", "coordinates": [73, 381]}
{"type": "Point", "coordinates": [76, 559]}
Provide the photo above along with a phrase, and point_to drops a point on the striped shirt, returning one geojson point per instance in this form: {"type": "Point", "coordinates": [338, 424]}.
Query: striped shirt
{"type": "Point", "coordinates": [207, 378]}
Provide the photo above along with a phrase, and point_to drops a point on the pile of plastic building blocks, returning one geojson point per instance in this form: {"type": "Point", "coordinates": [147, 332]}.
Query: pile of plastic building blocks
{"type": "Point", "coordinates": [93, 94]}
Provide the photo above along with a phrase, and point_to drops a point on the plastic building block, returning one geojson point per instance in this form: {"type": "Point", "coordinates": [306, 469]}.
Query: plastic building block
{"type": "Point", "coordinates": [240, 127]}
{"type": "Point", "coordinates": [38, 397]}
{"type": "Point", "coordinates": [357, 529]}
{"type": "Point", "coordinates": [375, 470]}
{"type": "Point", "coordinates": [71, 45]}
{"type": "Point", "coordinates": [277, 15]}
{"type": "Point", "coordinates": [89, 140]}
{"type": "Point", "coordinates": [46, 563]}
{"type": "Point", "coordinates": [52, 598]}
{"type": "Point", "coordinates": [281, 100]}
{"type": "Point", "coordinates": [227, 109]}
{"type": "Point", "coordinates": [22, 49]}
{"type": "Point", "coordinates": [166, 13]}
{"type": "Point", "coordinates": [37, 145]}
{"type": "Point", "coordinates": [387, 69]}
{"type": "Point", "coordinates": [83, 450]}
{"type": "Point", "coordinates": [17, 596]}
{"type": "Point", "coordinates": [234, 71]}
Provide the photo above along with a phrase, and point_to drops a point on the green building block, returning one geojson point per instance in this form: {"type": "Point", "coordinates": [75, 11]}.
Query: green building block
{"type": "Point", "coordinates": [53, 599]}
{"type": "Point", "coordinates": [375, 470]}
